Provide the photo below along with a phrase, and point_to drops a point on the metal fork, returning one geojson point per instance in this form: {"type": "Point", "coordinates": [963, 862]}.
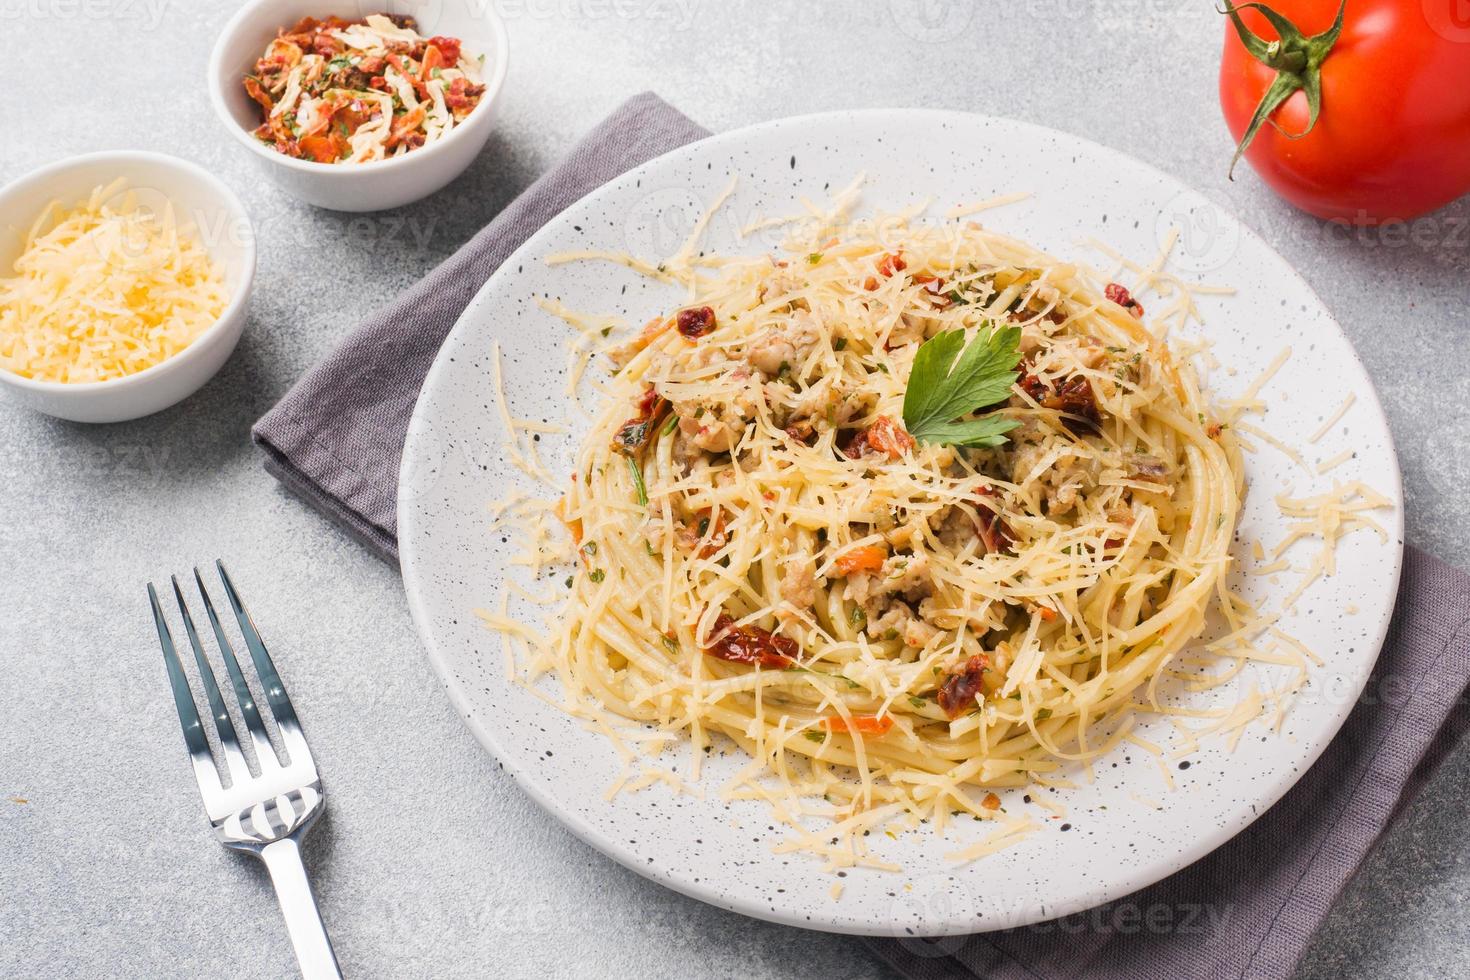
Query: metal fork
{"type": "Point", "coordinates": [266, 815]}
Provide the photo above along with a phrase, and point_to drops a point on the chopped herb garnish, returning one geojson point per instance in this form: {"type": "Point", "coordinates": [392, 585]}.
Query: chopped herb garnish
{"type": "Point", "coordinates": [606, 330]}
{"type": "Point", "coordinates": [648, 547]}
{"type": "Point", "coordinates": [590, 547]}
{"type": "Point", "coordinates": [1042, 714]}
{"type": "Point", "coordinates": [840, 343]}
{"type": "Point", "coordinates": [670, 644]}
{"type": "Point", "coordinates": [597, 575]}
{"type": "Point", "coordinates": [918, 702]}
{"type": "Point", "coordinates": [857, 618]}
{"type": "Point", "coordinates": [814, 736]}
{"type": "Point", "coordinates": [669, 425]}
{"type": "Point", "coordinates": [947, 384]}
{"type": "Point", "coordinates": [814, 258]}
{"type": "Point", "coordinates": [640, 490]}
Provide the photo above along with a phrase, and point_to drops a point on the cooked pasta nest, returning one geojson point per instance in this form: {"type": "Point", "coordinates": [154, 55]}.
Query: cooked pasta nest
{"type": "Point", "coordinates": [766, 553]}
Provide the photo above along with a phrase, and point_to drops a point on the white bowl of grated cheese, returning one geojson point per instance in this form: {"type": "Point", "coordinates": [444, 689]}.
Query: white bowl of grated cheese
{"type": "Point", "coordinates": [124, 278]}
{"type": "Point", "coordinates": [389, 178]}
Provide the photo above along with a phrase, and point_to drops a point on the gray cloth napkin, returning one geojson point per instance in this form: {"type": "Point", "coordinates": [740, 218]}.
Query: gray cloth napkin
{"type": "Point", "coordinates": [1249, 909]}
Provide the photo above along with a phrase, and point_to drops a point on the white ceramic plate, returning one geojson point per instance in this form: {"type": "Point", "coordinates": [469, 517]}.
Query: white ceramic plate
{"type": "Point", "coordinates": [1112, 840]}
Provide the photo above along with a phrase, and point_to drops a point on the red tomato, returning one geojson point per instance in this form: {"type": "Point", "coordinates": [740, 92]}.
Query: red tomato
{"type": "Point", "coordinates": [1392, 140]}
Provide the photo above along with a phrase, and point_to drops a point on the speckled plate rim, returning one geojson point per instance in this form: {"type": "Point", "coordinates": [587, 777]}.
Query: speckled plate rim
{"type": "Point", "coordinates": [1140, 875]}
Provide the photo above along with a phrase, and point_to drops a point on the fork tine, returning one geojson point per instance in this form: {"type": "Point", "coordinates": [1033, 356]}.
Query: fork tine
{"type": "Point", "coordinates": [204, 772]}
{"type": "Point", "coordinates": [224, 728]}
{"type": "Point", "coordinates": [275, 691]}
{"type": "Point", "coordinates": [264, 751]}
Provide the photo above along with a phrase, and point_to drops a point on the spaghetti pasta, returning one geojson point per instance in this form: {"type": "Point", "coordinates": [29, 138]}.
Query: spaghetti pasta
{"type": "Point", "coordinates": [768, 554]}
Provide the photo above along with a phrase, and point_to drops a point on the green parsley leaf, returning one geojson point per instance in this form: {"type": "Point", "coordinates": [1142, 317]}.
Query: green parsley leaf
{"type": "Point", "coordinates": [597, 575]}
{"type": "Point", "coordinates": [814, 736]}
{"type": "Point", "coordinates": [946, 384]}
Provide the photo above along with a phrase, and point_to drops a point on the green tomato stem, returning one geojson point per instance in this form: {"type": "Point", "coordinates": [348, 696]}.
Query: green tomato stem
{"type": "Point", "coordinates": [1297, 60]}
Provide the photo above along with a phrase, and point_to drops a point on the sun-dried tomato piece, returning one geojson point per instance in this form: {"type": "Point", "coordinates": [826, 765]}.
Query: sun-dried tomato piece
{"type": "Point", "coordinates": [638, 431]}
{"type": "Point", "coordinates": [1073, 397]}
{"type": "Point", "coordinates": [323, 149]}
{"type": "Point", "coordinates": [884, 437]}
{"type": "Point", "coordinates": [689, 536]}
{"type": "Point", "coordinates": [750, 645]}
{"type": "Point", "coordinates": [253, 89]}
{"type": "Point", "coordinates": [802, 431]}
{"type": "Point", "coordinates": [448, 47]}
{"type": "Point", "coordinates": [696, 321]}
{"type": "Point", "coordinates": [1035, 388]}
{"type": "Point", "coordinates": [405, 127]}
{"type": "Point", "coordinates": [326, 45]}
{"type": "Point", "coordinates": [1120, 295]}
{"type": "Point", "coordinates": [995, 533]}
{"type": "Point", "coordinates": [957, 693]}
{"type": "Point", "coordinates": [462, 95]}
{"type": "Point", "coordinates": [890, 263]}
{"type": "Point", "coordinates": [934, 289]}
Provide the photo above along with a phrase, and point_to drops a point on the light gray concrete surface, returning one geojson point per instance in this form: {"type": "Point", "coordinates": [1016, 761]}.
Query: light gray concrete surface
{"type": "Point", "coordinates": [430, 862]}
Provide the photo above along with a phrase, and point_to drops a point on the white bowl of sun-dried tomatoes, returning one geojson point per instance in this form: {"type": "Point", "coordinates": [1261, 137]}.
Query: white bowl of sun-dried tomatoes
{"type": "Point", "coordinates": [354, 105]}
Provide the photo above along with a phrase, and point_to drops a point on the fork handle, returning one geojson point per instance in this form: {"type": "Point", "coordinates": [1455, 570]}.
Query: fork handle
{"type": "Point", "coordinates": [304, 923]}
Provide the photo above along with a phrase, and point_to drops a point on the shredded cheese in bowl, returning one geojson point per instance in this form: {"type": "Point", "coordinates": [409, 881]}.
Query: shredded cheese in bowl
{"type": "Point", "coordinates": [105, 289]}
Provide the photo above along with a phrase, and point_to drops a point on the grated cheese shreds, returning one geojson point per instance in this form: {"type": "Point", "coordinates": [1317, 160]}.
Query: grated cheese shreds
{"type": "Point", "coordinates": [999, 839]}
{"type": "Point", "coordinates": [106, 289]}
{"type": "Point", "coordinates": [975, 207]}
{"type": "Point", "coordinates": [1334, 418]}
{"type": "Point", "coordinates": [1327, 465]}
